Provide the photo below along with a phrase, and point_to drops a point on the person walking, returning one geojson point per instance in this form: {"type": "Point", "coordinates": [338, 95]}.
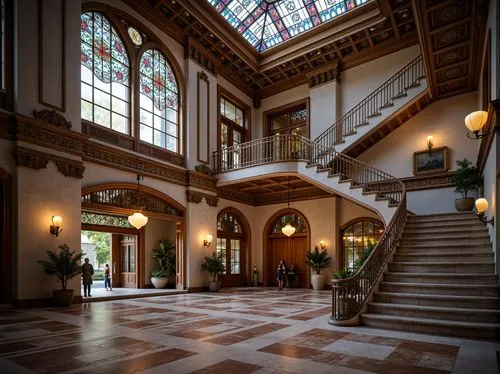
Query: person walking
{"type": "Point", "coordinates": [87, 272]}
{"type": "Point", "coordinates": [107, 278]}
{"type": "Point", "coordinates": [281, 272]}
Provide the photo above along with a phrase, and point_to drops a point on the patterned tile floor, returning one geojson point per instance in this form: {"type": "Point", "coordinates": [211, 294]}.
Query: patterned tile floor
{"type": "Point", "coordinates": [244, 330]}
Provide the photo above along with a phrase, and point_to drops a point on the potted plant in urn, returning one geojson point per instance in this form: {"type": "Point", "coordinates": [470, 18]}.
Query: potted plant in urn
{"type": "Point", "coordinates": [65, 265]}
{"type": "Point", "coordinates": [318, 260]}
{"type": "Point", "coordinates": [466, 178]}
{"type": "Point", "coordinates": [214, 265]}
{"type": "Point", "coordinates": [165, 256]}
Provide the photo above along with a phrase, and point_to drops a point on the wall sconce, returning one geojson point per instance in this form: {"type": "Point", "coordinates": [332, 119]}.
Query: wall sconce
{"type": "Point", "coordinates": [430, 143]}
{"type": "Point", "coordinates": [475, 121]}
{"type": "Point", "coordinates": [207, 240]}
{"type": "Point", "coordinates": [481, 208]}
{"type": "Point", "coordinates": [322, 244]}
{"type": "Point", "coordinates": [56, 224]}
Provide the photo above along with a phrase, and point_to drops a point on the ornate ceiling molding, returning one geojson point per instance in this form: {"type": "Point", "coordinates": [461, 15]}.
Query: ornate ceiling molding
{"type": "Point", "coordinates": [324, 75]}
{"type": "Point", "coordinates": [202, 181]}
{"type": "Point", "coordinates": [195, 51]}
{"type": "Point", "coordinates": [38, 160]}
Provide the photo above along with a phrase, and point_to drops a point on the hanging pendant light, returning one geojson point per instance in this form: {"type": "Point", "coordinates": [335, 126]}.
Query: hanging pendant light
{"type": "Point", "coordinates": [288, 229]}
{"type": "Point", "coordinates": [137, 219]}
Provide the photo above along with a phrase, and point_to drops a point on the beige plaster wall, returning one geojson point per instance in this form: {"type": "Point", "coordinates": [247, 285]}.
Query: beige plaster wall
{"type": "Point", "coordinates": [444, 120]}
{"type": "Point", "coordinates": [154, 231]}
{"type": "Point", "coordinates": [42, 194]}
{"type": "Point", "coordinates": [201, 219]}
{"type": "Point", "coordinates": [360, 81]}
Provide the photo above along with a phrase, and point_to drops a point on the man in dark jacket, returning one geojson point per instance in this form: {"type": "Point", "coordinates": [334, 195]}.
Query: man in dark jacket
{"type": "Point", "coordinates": [87, 272]}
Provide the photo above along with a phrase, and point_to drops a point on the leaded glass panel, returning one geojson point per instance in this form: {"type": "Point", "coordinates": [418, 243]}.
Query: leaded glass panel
{"type": "Point", "coordinates": [158, 102]}
{"type": "Point", "coordinates": [264, 24]}
{"type": "Point", "coordinates": [105, 74]}
{"type": "Point", "coordinates": [294, 219]}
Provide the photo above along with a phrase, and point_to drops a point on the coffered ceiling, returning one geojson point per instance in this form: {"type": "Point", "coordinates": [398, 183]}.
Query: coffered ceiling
{"type": "Point", "coordinates": [271, 190]}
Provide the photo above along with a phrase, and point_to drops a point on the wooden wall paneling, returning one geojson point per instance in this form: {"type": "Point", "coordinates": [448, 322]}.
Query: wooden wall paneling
{"type": "Point", "coordinates": [52, 54]}
{"type": "Point", "coordinates": [202, 156]}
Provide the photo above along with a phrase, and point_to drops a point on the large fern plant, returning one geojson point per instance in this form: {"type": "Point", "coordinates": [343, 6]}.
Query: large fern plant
{"type": "Point", "coordinates": [214, 265]}
{"type": "Point", "coordinates": [64, 265]}
{"type": "Point", "coordinates": [318, 260]}
{"type": "Point", "coordinates": [165, 256]}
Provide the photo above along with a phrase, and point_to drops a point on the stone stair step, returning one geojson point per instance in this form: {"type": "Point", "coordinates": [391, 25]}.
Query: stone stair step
{"type": "Point", "coordinates": [445, 301]}
{"type": "Point", "coordinates": [433, 229]}
{"type": "Point", "coordinates": [444, 257]}
{"type": "Point", "coordinates": [434, 312]}
{"type": "Point", "coordinates": [444, 248]}
{"type": "Point", "coordinates": [442, 278]}
{"type": "Point", "coordinates": [442, 267]}
{"type": "Point", "coordinates": [432, 326]}
{"type": "Point", "coordinates": [472, 235]}
{"type": "Point", "coordinates": [458, 218]}
{"type": "Point", "coordinates": [437, 240]}
{"type": "Point", "coordinates": [440, 289]}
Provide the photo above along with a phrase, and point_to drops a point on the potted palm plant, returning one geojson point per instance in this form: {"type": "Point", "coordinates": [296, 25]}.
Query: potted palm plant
{"type": "Point", "coordinates": [318, 260]}
{"type": "Point", "coordinates": [65, 265]}
{"type": "Point", "coordinates": [214, 265]}
{"type": "Point", "coordinates": [466, 178]}
{"type": "Point", "coordinates": [165, 257]}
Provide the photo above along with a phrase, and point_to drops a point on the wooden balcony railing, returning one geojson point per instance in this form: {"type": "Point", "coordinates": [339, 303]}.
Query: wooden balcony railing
{"type": "Point", "coordinates": [383, 96]}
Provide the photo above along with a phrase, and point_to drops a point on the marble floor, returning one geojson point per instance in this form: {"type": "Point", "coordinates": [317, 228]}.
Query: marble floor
{"type": "Point", "coordinates": [246, 330]}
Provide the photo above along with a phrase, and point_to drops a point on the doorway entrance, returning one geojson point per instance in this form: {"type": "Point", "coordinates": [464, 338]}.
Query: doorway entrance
{"type": "Point", "coordinates": [292, 249]}
{"type": "Point", "coordinates": [232, 241]}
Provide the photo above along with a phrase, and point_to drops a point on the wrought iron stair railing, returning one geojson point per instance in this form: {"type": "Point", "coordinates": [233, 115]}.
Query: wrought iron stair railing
{"type": "Point", "coordinates": [350, 295]}
{"type": "Point", "coordinates": [396, 86]}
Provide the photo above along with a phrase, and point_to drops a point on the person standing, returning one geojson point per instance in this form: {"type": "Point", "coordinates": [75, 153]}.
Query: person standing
{"type": "Point", "coordinates": [87, 272]}
{"type": "Point", "coordinates": [107, 278]}
{"type": "Point", "coordinates": [281, 274]}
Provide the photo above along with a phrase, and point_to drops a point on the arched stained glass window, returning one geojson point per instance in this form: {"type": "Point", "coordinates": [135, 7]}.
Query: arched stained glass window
{"type": "Point", "coordinates": [159, 102]}
{"type": "Point", "coordinates": [228, 223]}
{"type": "Point", "coordinates": [105, 74]}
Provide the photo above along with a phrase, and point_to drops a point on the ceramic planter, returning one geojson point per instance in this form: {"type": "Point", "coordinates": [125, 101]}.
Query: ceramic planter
{"type": "Point", "coordinates": [318, 281]}
{"type": "Point", "coordinates": [464, 204]}
{"type": "Point", "coordinates": [160, 282]}
{"type": "Point", "coordinates": [62, 297]}
{"type": "Point", "coordinates": [214, 286]}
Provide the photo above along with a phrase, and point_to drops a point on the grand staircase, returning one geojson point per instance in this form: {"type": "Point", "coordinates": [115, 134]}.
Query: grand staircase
{"type": "Point", "coordinates": [441, 280]}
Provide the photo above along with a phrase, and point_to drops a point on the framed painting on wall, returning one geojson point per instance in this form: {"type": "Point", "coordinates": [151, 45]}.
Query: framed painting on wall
{"type": "Point", "coordinates": [434, 161]}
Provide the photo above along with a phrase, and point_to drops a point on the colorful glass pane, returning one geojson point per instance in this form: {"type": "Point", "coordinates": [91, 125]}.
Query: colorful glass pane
{"type": "Point", "coordinates": [102, 50]}
{"type": "Point", "coordinates": [135, 36]}
{"type": "Point", "coordinates": [157, 80]}
{"type": "Point", "coordinates": [264, 24]}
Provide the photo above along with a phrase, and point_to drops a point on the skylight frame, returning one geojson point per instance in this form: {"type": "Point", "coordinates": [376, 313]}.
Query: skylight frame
{"type": "Point", "coordinates": [265, 24]}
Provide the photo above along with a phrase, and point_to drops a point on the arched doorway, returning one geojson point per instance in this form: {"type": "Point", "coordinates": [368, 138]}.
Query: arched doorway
{"type": "Point", "coordinates": [358, 237]}
{"type": "Point", "coordinates": [6, 251]}
{"type": "Point", "coordinates": [233, 240]}
{"type": "Point", "coordinates": [105, 208]}
{"type": "Point", "coordinates": [292, 249]}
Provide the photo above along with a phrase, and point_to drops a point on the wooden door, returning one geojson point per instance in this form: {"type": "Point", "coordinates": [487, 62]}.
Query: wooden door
{"type": "Point", "coordinates": [232, 248]}
{"type": "Point", "coordinates": [6, 249]}
{"type": "Point", "coordinates": [293, 250]}
{"type": "Point", "coordinates": [128, 261]}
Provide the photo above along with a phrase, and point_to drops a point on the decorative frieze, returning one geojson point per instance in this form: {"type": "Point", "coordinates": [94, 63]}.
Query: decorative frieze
{"type": "Point", "coordinates": [52, 117]}
{"type": "Point", "coordinates": [200, 180]}
{"type": "Point", "coordinates": [196, 52]}
{"type": "Point", "coordinates": [428, 182]}
{"type": "Point", "coordinates": [196, 197]}
{"type": "Point", "coordinates": [38, 160]}
{"type": "Point", "coordinates": [323, 75]}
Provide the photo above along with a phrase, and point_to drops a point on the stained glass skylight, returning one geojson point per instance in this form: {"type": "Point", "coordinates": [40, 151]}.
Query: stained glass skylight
{"type": "Point", "coordinates": [265, 24]}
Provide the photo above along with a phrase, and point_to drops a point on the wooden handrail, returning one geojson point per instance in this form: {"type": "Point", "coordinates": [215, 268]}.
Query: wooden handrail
{"type": "Point", "coordinates": [394, 87]}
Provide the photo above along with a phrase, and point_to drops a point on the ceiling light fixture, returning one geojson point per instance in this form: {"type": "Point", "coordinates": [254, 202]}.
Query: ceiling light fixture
{"type": "Point", "coordinates": [137, 219]}
{"type": "Point", "coordinates": [288, 229]}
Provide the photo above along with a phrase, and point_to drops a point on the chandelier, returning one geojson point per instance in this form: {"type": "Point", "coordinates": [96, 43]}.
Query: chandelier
{"type": "Point", "coordinates": [137, 219]}
{"type": "Point", "coordinates": [288, 229]}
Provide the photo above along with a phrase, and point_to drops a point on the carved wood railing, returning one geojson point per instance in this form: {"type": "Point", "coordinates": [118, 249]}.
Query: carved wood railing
{"type": "Point", "coordinates": [383, 96]}
{"type": "Point", "coordinates": [350, 295]}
